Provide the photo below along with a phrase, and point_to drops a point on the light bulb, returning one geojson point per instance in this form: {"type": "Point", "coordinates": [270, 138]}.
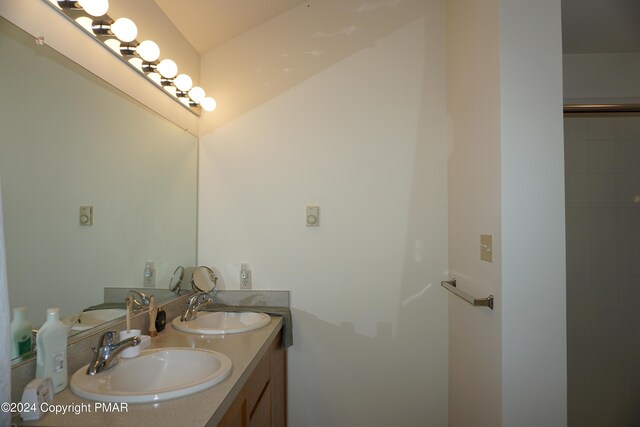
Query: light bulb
{"type": "Point", "coordinates": [183, 82]}
{"type": "Point", "coordinates": [167, 68]}
{"type": "Point", "coordinates": [124, 29]}
{"type": "Point", "coordinates": [95, 7]}
{"type": "Point", "coordinates": [155, 77]}
{"type": "Point", "coordinates": [113, 44]}
{"type": "Point", "coordinates": [148, 50]}
{"type": "Point", "coordinates": [136, 62]}
{"type": "Point", "coordinates": [208, 104]}
{"type": "Point", "coordinates": [196, 94]}
{"type": "Point", "coordinates": [85, 22]}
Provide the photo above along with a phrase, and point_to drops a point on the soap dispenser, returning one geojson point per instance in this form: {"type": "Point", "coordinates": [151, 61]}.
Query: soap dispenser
{"type": "Point", "coordinates": [51, 347]}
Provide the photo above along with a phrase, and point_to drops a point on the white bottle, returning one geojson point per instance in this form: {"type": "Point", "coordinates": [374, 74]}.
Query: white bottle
{"type": "Point", "coordinates": [51, 345]}
{"type": "Point", "coordinates": [149, 279]}
{"type": "Point", "coordinates": [20, 333]}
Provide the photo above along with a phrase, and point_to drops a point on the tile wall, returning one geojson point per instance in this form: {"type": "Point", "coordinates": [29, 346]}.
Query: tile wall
{"type": "Point", "coordinates": [602, 181]}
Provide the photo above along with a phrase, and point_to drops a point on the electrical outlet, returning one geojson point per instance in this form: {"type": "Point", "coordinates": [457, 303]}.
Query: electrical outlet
{"type": "Point", "coordinates": [86, 215]}
{"type": "Point", "coordinates": [245, 276]}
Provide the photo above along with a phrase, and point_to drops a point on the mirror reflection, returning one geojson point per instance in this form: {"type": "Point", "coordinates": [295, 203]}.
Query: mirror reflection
{"type": "Point", "coordinates": [95, 187]}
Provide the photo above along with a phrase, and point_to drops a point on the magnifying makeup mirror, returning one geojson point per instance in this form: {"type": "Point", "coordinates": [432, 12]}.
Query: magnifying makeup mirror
{"type": "Point", "coordinates": [176, 280]}
{"type": "Point", "coordinates": [203, 279]}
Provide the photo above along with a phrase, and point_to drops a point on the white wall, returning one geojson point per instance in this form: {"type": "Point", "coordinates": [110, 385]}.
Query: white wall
{"type": "Point", "coordinates": [614, 77]}
{"type": "Point", "coordinates": [507, 367]}
{"type": "Point", "coordinates": [363, 138]}
{"type": "Point", "coordinates": [533, 247]}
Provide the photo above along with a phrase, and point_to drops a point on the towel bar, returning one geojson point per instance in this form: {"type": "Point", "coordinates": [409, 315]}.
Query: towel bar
{"type": "Point", "coordinates": [450, 285]}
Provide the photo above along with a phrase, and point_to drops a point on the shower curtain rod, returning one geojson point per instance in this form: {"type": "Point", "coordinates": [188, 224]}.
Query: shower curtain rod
{"type": "Point", "coordinates": [602, 108]}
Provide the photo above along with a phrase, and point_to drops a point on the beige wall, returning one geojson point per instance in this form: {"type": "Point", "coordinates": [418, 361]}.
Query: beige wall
{"type": "Point", "coordinates": [473, 42]}
{"type": "Point", "coordinates": [363, 137]}
{"type": "Point", "coordinates": [506, 178]}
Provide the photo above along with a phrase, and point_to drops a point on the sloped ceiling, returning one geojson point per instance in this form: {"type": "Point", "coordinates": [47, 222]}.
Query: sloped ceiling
{"type": "Point", "coordinates": [210, 23]}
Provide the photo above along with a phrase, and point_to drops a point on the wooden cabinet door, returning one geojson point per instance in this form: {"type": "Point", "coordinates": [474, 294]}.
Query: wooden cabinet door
{"type": "Point", "coordinates": [236, 416]}
{"type": "Point", "coordinates": [260, 416]}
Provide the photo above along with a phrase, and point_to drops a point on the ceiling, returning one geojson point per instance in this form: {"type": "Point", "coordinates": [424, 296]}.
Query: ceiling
{"type": "Point", "coordinates": [588, 26]}
{"type": "Point", "coordinates": [600, 26]}
{"type": "Point", "coordinates": [207, 24]}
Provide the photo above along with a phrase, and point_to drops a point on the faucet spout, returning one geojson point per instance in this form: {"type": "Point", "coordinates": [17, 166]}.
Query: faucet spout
{"type": "Point", "coordinates": [104, 356]}
{"type": "Point", "coordinates": [196, 303]}
{"type": "Point", "coordinates": [139, 299]}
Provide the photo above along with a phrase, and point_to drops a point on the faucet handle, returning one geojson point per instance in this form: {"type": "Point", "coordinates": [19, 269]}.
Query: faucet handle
{"type": "Point", "coordinates": [106, 339]}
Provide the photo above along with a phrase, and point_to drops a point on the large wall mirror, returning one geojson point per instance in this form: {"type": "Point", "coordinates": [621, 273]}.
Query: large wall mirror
{"type": "Point", "coordinates": [68, 139]}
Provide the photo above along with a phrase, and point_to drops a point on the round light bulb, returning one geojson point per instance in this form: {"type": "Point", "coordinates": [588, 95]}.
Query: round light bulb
{"type": "Point", "coordinates": [136, 62]}
{"type": "Point", "coordinates": [148, 50]}
{"type": "Point", "coordinates": [208, 104]}
{"type": "Point", "coordinates": [86, 23]}
{"type": "Point", "coordinates": [183, 82]}
{"type": "Point", "coordinates": [94, 7]}
{"type": "Point", "coordinates": [155, 77]}
{"type": "Point", "coordinates": [196, 94]}
{"type": "Point", "coordinates": [167, 68]}
{"type": "Point", "coordinates": [124, 29]}
{"type": "Point", "coordinates": [113, 44]}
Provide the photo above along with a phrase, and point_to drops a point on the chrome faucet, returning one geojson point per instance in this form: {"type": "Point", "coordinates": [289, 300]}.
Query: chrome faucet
{"type": "Point", "coordinates": [138, 299]}
{"type": "Point", "coordinates": [196, 303]}
{"type": "Point", "coordinates": [104, 356]}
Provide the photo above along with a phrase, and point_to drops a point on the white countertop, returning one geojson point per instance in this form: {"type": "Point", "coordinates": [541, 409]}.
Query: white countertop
{"type": "Point", "coordinates": [198, 409]}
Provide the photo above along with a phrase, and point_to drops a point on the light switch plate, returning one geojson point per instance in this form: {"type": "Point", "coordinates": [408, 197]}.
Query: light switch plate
{"type": "Point", "coordinates": [486, 247]}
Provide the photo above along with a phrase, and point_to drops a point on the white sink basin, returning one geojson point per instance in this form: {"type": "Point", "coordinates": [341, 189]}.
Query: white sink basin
{"type": "Point", "coordinates": [222, 323]}
{"type": "Point", "coordinates": [89, 319]}
{"type": "Point", "coordinates": [156, 375]}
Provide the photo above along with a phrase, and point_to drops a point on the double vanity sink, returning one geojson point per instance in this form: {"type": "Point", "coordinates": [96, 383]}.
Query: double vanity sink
{"type": "Point", "coordinates": [168, 372]}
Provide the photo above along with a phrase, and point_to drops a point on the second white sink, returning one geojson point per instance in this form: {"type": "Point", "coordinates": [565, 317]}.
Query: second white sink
{"type": "Point", "coordinates": [90, 319]}
{"type": "Point", "coordinates": [222, 322]}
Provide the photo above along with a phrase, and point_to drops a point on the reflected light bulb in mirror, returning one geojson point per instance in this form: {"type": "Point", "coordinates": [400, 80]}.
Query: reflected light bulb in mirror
{"type": "Point", "coordinates": [86, 23]}
{"type": "Point", "coordinates": [209, 104]}
{"type": "Point", "coordinates": [155, 77]}
{"type": "Point", "coordinates": [136, 62]}
{"type": "Point", "coordinates": [196, 94]}
{"type": "Point", "coordinates": [95, 7]}
{"type": "Point", "coordinates": [183, 82]}
{"type": "Point", "coordinates": [124, 29]}
{"type": "Point", "coordinates": [113, 44]}
{"type": "Point", "coordinates": [167, 68]}
{"type": "Point", "coordinates": [148, 50]}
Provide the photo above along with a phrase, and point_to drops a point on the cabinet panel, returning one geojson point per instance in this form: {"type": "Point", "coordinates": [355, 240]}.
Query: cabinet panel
{"type": "Point", "coordinates": [236, 416]}
{"type": "Point", "coordinates": [262, 402]}
{"type": "Point", "coordinates": [261, 414]}
{"type": "Point", "coordinates": [278, 384]}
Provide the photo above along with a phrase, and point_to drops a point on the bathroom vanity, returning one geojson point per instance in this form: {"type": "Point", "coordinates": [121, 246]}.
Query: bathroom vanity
{"type": "Point", "coordinates": [254, 394]}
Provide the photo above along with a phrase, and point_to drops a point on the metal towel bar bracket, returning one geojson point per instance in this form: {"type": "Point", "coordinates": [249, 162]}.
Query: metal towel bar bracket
{"type": "Point", "coordinates": [450, 285]}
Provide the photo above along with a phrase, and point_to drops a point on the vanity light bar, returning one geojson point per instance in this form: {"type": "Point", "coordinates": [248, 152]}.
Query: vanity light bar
{"type": "Point", "coordinates": [119, 37]}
